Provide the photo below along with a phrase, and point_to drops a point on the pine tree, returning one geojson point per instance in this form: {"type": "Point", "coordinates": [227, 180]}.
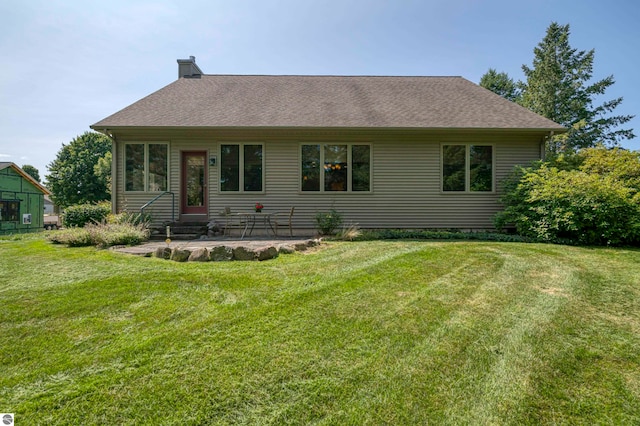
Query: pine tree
{"type": "Point", "coordinates": [557, 87]}
{"type": "Point", "coordinates": [501, 84]}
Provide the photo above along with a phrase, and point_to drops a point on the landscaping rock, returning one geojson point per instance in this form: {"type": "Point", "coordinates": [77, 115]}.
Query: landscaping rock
{"type": "Point", "coordinates": [163, 252]}
{"type": "Point", "coordinates": [267, 253]}
{"type": "Point", "coordinates": [199, 255]}
{"type": "Point", "coordinates": [180, 255]}
{"type": "Point", "coordinates": [244, 253]}
{"type": "Point", "coordinates": [286, 249]}
{"type": "Point", "coordinates": [303, 246]}
{"type": "Point", "coordinates": [221, 254]}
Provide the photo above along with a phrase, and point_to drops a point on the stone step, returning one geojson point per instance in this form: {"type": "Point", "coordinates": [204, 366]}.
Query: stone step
{"type": "Point", "coordinates": [180, 231]}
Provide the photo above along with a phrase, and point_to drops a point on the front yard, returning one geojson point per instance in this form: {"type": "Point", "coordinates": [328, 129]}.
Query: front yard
{"type": "Point", "coordinates": [388, 332]}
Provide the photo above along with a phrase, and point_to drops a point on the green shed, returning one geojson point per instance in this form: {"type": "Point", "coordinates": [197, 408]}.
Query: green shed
{"type": "Point", "coordinates": [21, 201]}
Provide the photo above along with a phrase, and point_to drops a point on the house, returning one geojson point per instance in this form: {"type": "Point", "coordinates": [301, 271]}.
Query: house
{"type": "Point", "coordinates": [385, 152]}
{"type": "Point", "coordinates": [21, 201]}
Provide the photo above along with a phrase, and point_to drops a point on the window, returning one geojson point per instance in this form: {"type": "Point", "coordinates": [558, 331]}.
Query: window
{"type": "Point", "coordinates": [9, 210]}
{"type": "Point", "coordinates": [336, 168]}
{"type": "Point", "coordinates": [241, 167]}
{"type": "Point", "coordinates": [467, 168]}
{"type": "Point", "coordinates": [146, 167]}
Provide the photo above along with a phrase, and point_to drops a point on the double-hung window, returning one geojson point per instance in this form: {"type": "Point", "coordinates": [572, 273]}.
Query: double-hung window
{"type": "Point", "coordinates": [146, 166]}
{"type": "Point", "coordinates": [467, 168]}
{"type": "Point", "coordinates": [336, 168]}
{"type": "Point", "coordinates": [241, 167]}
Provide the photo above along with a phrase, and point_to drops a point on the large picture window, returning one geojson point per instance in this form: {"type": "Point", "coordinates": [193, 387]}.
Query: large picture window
{"type": "Point", "coordinates": [9, 210]}
{"type": "Point", "coordinates": [336, 168]}
{"type": "Point", "coordinates": [241, 167]}
{"type": "Point", "coordinates": [146, 166]}
{"type": "Point", "coordinates": [467, 168]}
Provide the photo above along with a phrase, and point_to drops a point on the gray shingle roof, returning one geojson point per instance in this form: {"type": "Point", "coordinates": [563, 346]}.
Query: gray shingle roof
{"type": "Point", "coordinates": [326, 101]}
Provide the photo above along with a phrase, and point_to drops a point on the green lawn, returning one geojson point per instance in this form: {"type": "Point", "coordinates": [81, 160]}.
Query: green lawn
{"type": "Point", "coordinates": [398, 332]}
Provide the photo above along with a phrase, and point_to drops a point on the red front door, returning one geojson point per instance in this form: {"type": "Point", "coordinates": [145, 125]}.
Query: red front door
{"type": "Point", "coordinates": [194, 183]}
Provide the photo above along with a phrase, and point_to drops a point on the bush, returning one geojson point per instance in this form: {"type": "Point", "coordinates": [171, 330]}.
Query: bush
{"type": "Point", "coordinates": [130, 218]}
{"type": "Point", "coordinates": [101, 235]}
{"type": "Point", "coordinates": [438, 234]}
{"type": "Point", "coordinates": [328, 222]}
{"type": "Point", "coordinates": [117, 234]}
{"type": "Point", "coordinates": [82, 214]}
{"type": "Point", "coordinates": [583, 205]}
{"type": "Point", "coordinates": [73, 237]}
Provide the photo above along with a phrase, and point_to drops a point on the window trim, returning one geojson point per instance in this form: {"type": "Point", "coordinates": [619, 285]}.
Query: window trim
{"type": "Point", "coordinates": [349, 167]}
{"type": "Point", "coordinates": [467, 167]}
{"type": "Point", "coordinates": [146, 167]}
{"type": "Point", "coordinates": [241, 189]}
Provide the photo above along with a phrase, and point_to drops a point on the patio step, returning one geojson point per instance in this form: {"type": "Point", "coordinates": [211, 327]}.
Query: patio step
{"type": "Point", "coordinates": [179, 231]}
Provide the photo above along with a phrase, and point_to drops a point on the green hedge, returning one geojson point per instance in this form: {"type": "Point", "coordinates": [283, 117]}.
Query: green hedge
{"type": "Point", "coordinates": [83, 214]}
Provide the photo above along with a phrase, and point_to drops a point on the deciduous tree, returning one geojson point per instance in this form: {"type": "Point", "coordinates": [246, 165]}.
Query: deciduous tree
{"type": "Point", "coordinates": [31, 171]}
{"type": "Point", "coordinates": [72, 179]}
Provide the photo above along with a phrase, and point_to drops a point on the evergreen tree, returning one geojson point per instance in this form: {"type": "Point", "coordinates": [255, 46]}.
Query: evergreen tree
{"type": "Point", "coordinates": [501, 84]}
{"type": "Point", "coordinates": [73, 179]}
{"type": "Point", "coordinates": [557, 87]}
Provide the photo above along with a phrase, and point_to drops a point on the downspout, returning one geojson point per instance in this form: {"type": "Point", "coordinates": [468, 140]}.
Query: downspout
{"type": "Point", "coordinates": [114, 156]}
{"type": "Point", "coordinates": [114, 168]}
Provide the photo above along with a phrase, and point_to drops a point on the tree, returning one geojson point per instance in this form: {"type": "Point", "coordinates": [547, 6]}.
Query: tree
{"type": "Point", "coordinates": [102, 169]}
{"type": "Point", "coordinates": [501, 84]}
{"type": "Point", "coordinates": [31, 171]}
{"type": "Point", "coordinates": [72, 179]}
{"type": "Point", "coordinates": [557, 87]}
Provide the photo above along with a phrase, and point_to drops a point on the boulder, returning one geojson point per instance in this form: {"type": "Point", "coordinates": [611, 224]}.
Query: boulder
{"type": "Point", "coordinates": [220, 254]}
{"type": "Point", "coordinates": [180, 255]}
{"type": "Point", "coordinates": [244, 253]}
{"type": "Point", "coordinates": [286, 249]}
{"type": "Point", "coordinates": [199, 255]}
{"type": "Point", "coordinates": [163, 252]}
{"type": "Point", "coordinates": [267, 253]}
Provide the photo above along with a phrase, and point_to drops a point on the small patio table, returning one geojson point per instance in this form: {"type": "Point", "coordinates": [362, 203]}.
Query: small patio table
{"type": "Point", "coordinates": [250, 222]}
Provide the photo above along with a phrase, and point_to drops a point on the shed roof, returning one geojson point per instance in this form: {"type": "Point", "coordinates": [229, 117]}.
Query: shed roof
{"type": "Point", "coordinates": [213, 101]}
{"type": "Point", "coordinates": [27, 176]}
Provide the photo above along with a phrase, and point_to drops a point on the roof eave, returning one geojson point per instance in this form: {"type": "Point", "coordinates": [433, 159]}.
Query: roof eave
{"type": "Point", "coordinates": [108, 130]}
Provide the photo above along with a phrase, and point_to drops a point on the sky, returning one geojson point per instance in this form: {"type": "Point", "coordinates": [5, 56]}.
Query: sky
{"type": "Point", "coordinates": [69, 64]}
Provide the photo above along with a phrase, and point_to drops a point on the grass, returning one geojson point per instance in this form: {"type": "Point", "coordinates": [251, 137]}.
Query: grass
{"type": "Point", "coordinates": [377, 332]}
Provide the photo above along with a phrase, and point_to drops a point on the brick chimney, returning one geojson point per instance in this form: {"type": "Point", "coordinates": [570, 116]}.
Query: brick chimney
{"type": "Point", "coordinates": [187, 68]}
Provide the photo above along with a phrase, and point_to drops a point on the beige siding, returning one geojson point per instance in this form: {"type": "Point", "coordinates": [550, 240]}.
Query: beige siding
{"type": "Point", "coordinates": [405, 177]}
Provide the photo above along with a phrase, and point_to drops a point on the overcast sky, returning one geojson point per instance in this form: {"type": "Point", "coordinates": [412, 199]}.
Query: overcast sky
{"type": "Point", "coordinates": [68, 64]}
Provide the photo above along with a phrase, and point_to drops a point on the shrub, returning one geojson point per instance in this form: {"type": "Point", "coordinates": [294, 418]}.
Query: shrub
{"type": "Point", "coordinates": [73, 237]}
{"type": "Point", "coordinates": [585, 207]}
{"type": "Point", "coordinates": [437, 234]}
{"type": "Point", "coordinates": [130, 218]}
{"type": "Point", "coordinates": [107, 235]}
{"type": "Point", "coordinates": [101, 235]}
{"type": "Point", "coordinates": [82, 214]}
{"type": "Point", "coordinates": [350, 232]}
{"type": "Point", "coordinates": [328, 222]}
